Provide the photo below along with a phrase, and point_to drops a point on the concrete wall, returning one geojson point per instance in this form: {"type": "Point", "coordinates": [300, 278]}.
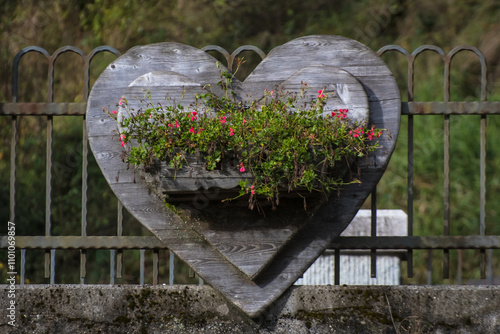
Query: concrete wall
{"type": "Point", "coordinates": [200, 309]}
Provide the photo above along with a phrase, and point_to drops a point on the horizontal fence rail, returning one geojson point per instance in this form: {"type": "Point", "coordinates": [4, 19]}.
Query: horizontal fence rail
{"type": "Point", "coordinates": [365, 243]}
{"type": "Point", "coordinates": [116, 244]}
{"type": "Point", "coordinates": [407, 108]}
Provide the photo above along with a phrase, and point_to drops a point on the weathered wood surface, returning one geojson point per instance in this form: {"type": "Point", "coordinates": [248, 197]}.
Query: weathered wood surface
{"type": "Point", "coordinates": [172, 89]}
{"type": "Point", "coordinates": [239, 243]}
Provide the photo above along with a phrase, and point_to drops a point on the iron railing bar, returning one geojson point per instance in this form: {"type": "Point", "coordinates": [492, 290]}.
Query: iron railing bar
{"type": "Point", "coordinates": [459, 266]}
{"type": "Point", "coordinates": [337, 266]}
{"type": "Point", "coordinates": [409, 204]}
{"type": "Point", "coordinates": [22, 278]}
{"type": "Point", "coordinates": [15, 67]}
{"type": "Point", "coordinates": [89, 242]}
{"type": "Point", "coordinates": [112, 266]}
{"type": "Point", "coordinates": [244, 48]}
{"type": "Point", "coordinates": [482, 192]}
{"type": "Point", "coordinates": [156, 255]}
{"type": "Point", "coordinates": [418, 242]}
{"type": "Point", "coordinates": [222, 51]}
{"type": "Point", "coordinates": [429, 267]}
{"type": "Point", "coordinates": [43, 108]}
{"type": "Point", "coordinates": [48, 166]}
{"type": "Point", "coordinates": [52, 266]}
{"type": "Point", "coordinates": [363, 242]}
{"type": "Point", "coordinates": [83, 256]}
{"type": "Point", "coordinates": [48, 190]}
{"type": "Point", "coordinates": [14, 130]}
{"type": "Point", "coordinates": [482, 178]}
{"type": "Point", "coordinates": [407, 108]}
{"type": "Point", "coordinates": [83, 253]}
{"type": "Point", "coordinates": [171, 268]}
{"type": "Point", "coordinates": [482, 167]}
{"type": "Point", "coordinates": [446, 167]}
{"type": "Point", "coordinates": [482, 61]}
{"type": "Point", "coordinates": [88, 60]}
{"type": "Point", "coordinates": [373, 252]}
{"type": "Point", "coordinates": [451, 108]}
{"type": "Point", "coordinates": [446, 195]}
{"type": "Point", "coordinates": [119, 233]}
{"type": "Point", "coordinates": [13, 170]}
{"type": "Point", "coordinates": [490, 266]}
{"type": "Point", "coordinates": [141, 265]}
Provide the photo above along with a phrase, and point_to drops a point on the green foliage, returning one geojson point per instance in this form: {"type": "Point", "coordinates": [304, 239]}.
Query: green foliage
{"type": "Point", "coordinates": [283, 142]}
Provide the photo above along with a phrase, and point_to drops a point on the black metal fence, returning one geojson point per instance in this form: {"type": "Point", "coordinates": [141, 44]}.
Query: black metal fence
{"type": "Point", "coordinates": [483, 242]}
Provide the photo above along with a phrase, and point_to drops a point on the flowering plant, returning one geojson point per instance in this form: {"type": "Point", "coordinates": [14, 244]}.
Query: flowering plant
{"type": "Point", "coordinates": [284, 145]}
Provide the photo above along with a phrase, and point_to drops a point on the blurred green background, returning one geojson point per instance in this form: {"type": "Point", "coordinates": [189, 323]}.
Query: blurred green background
{"type": "Point", "coordinates": [230, 24]}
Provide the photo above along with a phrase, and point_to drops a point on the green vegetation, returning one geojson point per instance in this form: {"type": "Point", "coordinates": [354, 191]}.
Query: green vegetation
{"type": "Point", "coordinates": [231, 23]}
{"type": "Point", "coordinates": [287, 141]}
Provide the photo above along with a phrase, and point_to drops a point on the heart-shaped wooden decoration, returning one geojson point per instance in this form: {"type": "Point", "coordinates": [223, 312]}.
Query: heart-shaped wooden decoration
{"type": "Point", "coordinates": [250, 259]}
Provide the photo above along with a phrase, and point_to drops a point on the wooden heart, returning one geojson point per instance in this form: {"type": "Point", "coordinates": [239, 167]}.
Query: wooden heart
{"type": "Point", "coordinates": [248, 241]}
{"type": "Point", "coordinates": [254, 262]}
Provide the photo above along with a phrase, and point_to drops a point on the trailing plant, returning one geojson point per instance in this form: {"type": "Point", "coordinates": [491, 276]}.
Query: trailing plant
{"type": "Point", "coordinates": [287, 145]}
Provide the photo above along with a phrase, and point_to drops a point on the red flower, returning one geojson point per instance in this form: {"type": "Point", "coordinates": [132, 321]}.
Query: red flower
{"type": "Point", "coordinates": [343, 113]}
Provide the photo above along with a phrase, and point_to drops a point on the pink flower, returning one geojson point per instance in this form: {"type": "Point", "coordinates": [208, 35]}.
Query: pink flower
{"type": "Point", "coordinates": [343, 113]}
{"type": "Point", "coordinates": [242, 168]}
{"type": "Point", "coordinates": [371, 133]}
{"type": "Point", "coordinates": [121, 100]}
{"type": "Point", "coordinates": [244, 121]}
{"type": "Point", "coordinates": [320, 93]}
{"type": "Point", "coordinates": [231, 132]}
{"type": "Point", "coordinates": [223, 119]}
{"type": "Point", "coordinates": [357, 133]}
{"type": "Point", "coordinates": [177, 124]}
{"type": "Point", "coordinates": [191, 130]}
{"type": "Point", "coordinates": [114, 111]}
{"type": "Point", "coordinates": [122, 139]}
{"type": "Point", "coordinates": [194, 113]}
{"type": "Point", "coordinates": [270, 92]}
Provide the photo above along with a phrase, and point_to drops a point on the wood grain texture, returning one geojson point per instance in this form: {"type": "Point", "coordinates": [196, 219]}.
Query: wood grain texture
{"type": "Point", "coordinates": [255, 260]}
